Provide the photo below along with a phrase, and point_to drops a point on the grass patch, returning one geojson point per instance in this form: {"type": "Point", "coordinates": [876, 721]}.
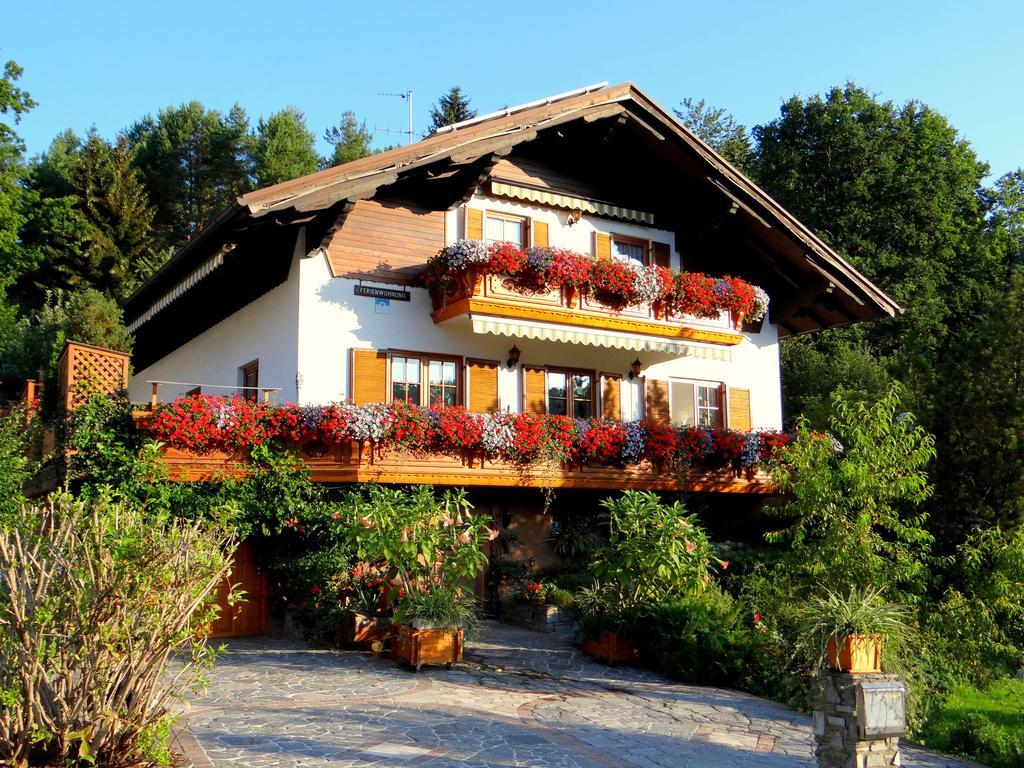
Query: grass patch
{"type": "Point", "coordinates": [984, 724]}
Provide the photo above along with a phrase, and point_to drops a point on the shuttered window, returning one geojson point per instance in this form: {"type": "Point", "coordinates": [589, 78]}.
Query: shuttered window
{"type": "Point", "coordinates": [534, 389]}
{"type": "Point", "coordinates": [611, 396]}
{"type": "Point", "coordinates": [369, 376]}
{"type": "Point", "coordinates": [739, 409]}
{"type": "Point", "coordinates": [656, 401]}
{"type": "Point", "coordinates": [540, 234]}
{"type": "Point", "coordinates": [474, 224]}
{"type": "Point", "coordinates": [483, 385]}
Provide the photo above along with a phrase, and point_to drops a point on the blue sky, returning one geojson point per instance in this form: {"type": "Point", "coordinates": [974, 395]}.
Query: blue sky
{"type": "Point", "coordinates": [109, 63]}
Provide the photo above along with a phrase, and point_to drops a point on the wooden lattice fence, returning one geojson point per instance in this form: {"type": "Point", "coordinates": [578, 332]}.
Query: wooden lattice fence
{"type": "Point", "coordinates": [83, 369]}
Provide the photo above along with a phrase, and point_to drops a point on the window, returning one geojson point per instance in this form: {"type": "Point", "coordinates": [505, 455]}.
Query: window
{"type": "Point", "coordinates": [695, 403]}
{"type": "Point", "coordinates": [249, 375]}
{"type": "Point", "coordinates": [424, 379]}
{"type": "Point", "coordinates": [570, 393]}
{"type": "Point", "coordinates": [499, 228]}
{"type": "Point", "coordinates": [630, 248]}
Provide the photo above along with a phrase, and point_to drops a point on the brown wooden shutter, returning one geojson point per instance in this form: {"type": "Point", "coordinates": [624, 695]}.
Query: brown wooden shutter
{"type": "Point", "coordinates": [535, 386]}
{"type": "Point", "coordinates": [540, 234]}
{"type": "Point", "coordinates": [602, 245]}
{"type": "Point", "coordinates": [369, 376]}
{"type": "Point", "coordinates": [611, 396]}
{"type": "Point", "coordinates": [483, 385]}
{"type": "Point", "coordinates": [656, 405]}
{"type": "Point", "coordinates": [661, 255]}
{"type": "Point", "coordinates": [474, 224]}
{"type": "Point", "coordinates": [739, 409]}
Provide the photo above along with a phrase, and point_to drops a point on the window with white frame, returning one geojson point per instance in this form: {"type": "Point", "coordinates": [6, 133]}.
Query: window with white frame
{"type": "Point", "coordinates": [502, 228]}
{"type": "Point", "coordinates": [424, 380]}
{"type": "Point", "coordinates": [695, 403]}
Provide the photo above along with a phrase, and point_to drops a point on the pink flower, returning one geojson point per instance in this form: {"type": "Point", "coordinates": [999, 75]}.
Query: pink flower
{"type": "Point", "coordinates": [464, 538]}
{"type": "Point", "coordinates": [691, 547]}
{"type": "Point", "coordinates": [366, 522]}
{"type": "Point", "coordinates": [492, 534]}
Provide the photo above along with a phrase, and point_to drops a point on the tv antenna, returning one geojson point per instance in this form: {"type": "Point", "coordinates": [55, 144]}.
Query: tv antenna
{"type": "Point", "coordinates": [408, 97]}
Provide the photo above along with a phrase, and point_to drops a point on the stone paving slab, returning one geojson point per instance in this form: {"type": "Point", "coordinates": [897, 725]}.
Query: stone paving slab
{"type": "Point", "coordinates": [521, 698]}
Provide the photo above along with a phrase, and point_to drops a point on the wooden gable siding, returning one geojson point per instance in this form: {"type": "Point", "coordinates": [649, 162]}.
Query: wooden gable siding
{"type": "Point", "coordinates": [386, 241]}
{"type": "Point", "coordinates": [521, 170]}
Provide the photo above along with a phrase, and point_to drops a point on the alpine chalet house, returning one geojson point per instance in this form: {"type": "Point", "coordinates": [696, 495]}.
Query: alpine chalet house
{"type": "Point", "coordinates": [567, 257]}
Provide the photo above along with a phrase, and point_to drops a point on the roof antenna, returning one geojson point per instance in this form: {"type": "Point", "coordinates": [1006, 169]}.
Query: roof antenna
{"type": "Point", "coordinates": [408, 97]}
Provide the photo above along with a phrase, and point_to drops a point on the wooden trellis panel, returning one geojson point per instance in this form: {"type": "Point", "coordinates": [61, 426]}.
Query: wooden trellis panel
{"type": "Point", "coordinates": [83, 369]}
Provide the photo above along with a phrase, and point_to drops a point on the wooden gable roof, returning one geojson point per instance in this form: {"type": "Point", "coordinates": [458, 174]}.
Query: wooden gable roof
{"type": "Point", "coordinates": [692, 187]}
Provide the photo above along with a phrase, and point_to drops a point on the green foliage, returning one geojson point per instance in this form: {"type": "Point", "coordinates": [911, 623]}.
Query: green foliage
{"type": "Point", "coordinates": [576, 540]}
{"type": "Point", "coordinates": [15, 468]}
{"type": "Point", "coordinates": [718, 129]}
{"type": "Point", "coordinates": [655, 552]}
{"type": "Point", "coordinates": [833, 617]}
{"type": "Point", "coordinates": [95, 600]}
{"type": "Point", "coordinates": [36, 340]}
{"type": "Point", "coordinates": [193, 162]}
{"type": "Point", "coordinates": [980, 472]}
{"type": "Point", "coordinates": [350, 138]}
{"type": "Point", "coordinates": [14, 102]}
{"type": "Point", "coordinates": [983, 724]}
{"type": "Point", "coordinates": [853, 517]}
{"type": "Point", "coordinates": [283, 148]}
{"type": "Point", "coordinates": [441, 608]}
{"type": "Point", "coordinates": [452, 107]}
{"type": "Point", "coordinates": [89, 220]}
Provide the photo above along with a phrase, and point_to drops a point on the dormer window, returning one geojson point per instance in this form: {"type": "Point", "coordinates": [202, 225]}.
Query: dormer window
{"type": "Point", "coordinates": [503, 228]}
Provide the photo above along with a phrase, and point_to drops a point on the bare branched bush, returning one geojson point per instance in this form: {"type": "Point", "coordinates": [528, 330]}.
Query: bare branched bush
{"type": "Point", "coordinates": [103, 616]}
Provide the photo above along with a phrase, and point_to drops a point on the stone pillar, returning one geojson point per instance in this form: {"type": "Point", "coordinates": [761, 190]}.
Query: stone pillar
{"type": "Point", "coordinates": [858, 719]}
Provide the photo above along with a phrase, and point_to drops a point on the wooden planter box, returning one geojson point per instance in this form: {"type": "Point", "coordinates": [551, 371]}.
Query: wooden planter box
{"type": "Point", "coordinates": [359, 629]}
{"type": "Point", "coordinates": [610, 647]}
{"type": "Point", "coordinates": [857, 654]}
{"type": "Point", "coordinates": [417, 647]}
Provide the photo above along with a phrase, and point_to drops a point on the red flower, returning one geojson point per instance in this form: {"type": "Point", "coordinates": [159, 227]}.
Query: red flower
{"type": "Point", "coordinates": [757, 617]}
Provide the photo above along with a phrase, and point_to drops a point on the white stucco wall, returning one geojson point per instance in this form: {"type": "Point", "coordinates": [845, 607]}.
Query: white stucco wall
{"type": "Point", "coordinates": [304, 330]}
{"type": "Point", "coordinates": [266, 330]}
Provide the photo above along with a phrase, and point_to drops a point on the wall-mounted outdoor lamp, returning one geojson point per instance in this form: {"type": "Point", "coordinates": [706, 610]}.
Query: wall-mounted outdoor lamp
{"type": "Point", "coordinates": [574, 215]}
{"type": "Point", "coordinates": [513, 357]}
{"type": "Point", "coordinates": [634, 368]}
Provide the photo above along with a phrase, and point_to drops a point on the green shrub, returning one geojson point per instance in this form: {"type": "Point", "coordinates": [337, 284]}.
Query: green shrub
{"type": "Point", "coordinates": [562, 598]}
{"type": "Point", "coordinates": [95, 599]}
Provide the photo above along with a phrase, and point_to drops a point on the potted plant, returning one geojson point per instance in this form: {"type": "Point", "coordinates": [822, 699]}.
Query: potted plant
{"type": "Point", "coordinates": [850, 632]}
{"type": "Point", "coordinates": [366, 620]}
{"type": "Point", "coordinates": [431, 625]}
{"type": "Point", "coordinates": [433, 545]}
{"type": "Point", "coordinates": [654, 552]}
{"type": "Point", "coordinates": [534, 593]}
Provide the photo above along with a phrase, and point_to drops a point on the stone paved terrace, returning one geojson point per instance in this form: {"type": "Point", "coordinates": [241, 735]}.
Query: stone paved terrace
{"type": "Point", "coordinates": [520, 699]}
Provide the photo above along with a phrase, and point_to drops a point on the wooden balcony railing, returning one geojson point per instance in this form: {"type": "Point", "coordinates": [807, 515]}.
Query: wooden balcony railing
{"type": "Point", "coordinates": [492, 295]}
{"type": "Point", "coordinates": [351, 463]}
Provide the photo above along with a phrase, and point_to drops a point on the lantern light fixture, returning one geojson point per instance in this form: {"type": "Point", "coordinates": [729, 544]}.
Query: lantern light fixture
{"type": "Point", "coordinates": [513, 357]}
{"type": "Point", "coordinates": [635, 368]}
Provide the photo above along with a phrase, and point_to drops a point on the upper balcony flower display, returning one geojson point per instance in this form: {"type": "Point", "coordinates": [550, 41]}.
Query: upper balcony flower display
{"type": "Point", "coordinates": [613, 282]}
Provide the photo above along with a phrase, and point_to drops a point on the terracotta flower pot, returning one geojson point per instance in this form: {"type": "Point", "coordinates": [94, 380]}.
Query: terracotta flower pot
{"type": "Point", "coordinates": [417, 647]}
{"type": "Point", "coordinates": [610, 647]}
{"type": "Point", "coordinates": [856, 653]}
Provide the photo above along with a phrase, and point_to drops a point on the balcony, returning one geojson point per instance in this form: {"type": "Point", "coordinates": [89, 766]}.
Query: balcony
{"type": "Point", "coordinates": [488, 300]}
{"type": "Point", "coordinates": [360, 464]}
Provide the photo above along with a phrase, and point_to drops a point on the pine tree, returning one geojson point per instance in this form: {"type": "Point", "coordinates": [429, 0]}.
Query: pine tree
{"type": "Point", "coordinates": [283, 148]}
{"type": "Point", "coordinates": [452, 107]}
{"type": "Point", "coordinates": [350, 138]}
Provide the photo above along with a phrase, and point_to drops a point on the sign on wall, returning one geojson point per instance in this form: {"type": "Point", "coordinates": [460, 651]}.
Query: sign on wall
{"type": "Point", "coordinates": [372, 292]}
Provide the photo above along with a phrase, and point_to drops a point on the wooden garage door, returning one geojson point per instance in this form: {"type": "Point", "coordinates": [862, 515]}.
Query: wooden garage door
{"type": "Point", "coordinates": [249, 617]}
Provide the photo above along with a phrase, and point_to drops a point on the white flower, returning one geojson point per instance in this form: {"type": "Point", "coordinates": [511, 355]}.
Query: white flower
{"type": "Point", "coordinates": [760, 304]}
